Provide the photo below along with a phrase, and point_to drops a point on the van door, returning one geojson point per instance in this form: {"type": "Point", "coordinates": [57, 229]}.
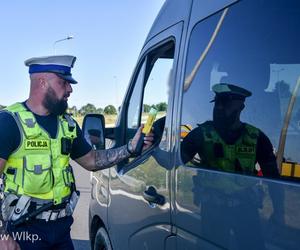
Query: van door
{"type": "Point", "coordinates": [137, 220]}
{"type": "Point", "coordinates": [231, 190]}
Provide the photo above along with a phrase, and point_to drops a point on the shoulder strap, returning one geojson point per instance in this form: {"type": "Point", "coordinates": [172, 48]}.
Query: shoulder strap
{"type": "Point", "coordinates": [208, 130]}
{"type": "Point", "coordinates": [251, 135]}
{"type": "Point", "coordinates": [27, 120]}
{"type": "Point", "coordinates": [16, 107]}
{"type": "Point", "coordinates": [251, 130]}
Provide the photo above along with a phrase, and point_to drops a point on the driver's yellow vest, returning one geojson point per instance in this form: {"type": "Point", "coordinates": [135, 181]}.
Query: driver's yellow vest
{"type": "Point", "coordinates": [238, 157]}
{"type": "Point", "coordinates": [39, 168]}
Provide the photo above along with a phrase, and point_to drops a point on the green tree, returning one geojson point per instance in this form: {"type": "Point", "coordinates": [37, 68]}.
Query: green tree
{"type": "Point", "coordinates": [87, 109]}
{"type": "Point", "coordinates": [162, 106]}
{"type": "Point", "coordinates": [99, 111]}
{"type": "Point", "coordinates": [110, 110]}
{"type": "Point", "coordinates": [147, 108]}
{"type": "Point", "coordinates": [73, 110]}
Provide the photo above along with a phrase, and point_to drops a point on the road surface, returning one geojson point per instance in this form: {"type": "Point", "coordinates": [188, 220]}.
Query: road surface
{"type": "Point", "coordinates": [79, 230]}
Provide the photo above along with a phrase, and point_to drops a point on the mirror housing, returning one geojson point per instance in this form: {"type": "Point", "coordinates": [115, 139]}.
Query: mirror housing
{"type": "Point", "coordinates": [93, 128]}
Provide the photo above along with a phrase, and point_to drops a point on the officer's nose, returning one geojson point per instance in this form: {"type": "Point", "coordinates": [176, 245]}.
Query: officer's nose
{"type": "Point", "coordinates": [69, 88]}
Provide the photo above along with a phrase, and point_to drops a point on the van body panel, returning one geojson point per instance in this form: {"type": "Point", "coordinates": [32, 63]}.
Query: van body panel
{"type": "Point", "coordinates": [217, 217]}
{"type": "Point", "coordinates": [199, 12]}
{"type": "Point", "coordinates": [171, 243]}
{"type": "Point", "coordinates": [180, 11]}
{"type": "Point", "coordinates": [137, 224]}
{"type": "Point", "coordinates": [204, 208]}
{"type": "Point", "coordinates": [140, 224]}
{"type": "Point", "coordinates": [99, 196]}
{"type": "Point", "coordinates": [158, 232]}
{"type": "Point", "coordinates": [209, 219]}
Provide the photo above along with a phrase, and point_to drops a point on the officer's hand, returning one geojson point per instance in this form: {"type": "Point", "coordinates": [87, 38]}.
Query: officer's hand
{"type": "Point", "coordinates": [8, 244]}
{"type": "Point", "coordinates": [148, 139]}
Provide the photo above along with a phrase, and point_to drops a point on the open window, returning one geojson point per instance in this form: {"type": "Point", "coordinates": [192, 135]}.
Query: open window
{"type": "Point", "coordinates": [151, 90]}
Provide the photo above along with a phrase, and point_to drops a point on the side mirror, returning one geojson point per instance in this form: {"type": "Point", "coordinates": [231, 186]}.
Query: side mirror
{"type": "Point", "coordinates": [93, 130]}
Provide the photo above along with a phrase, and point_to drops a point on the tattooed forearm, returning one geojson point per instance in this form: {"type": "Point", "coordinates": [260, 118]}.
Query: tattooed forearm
{"type": "Point", "coordinates": [107, 158]}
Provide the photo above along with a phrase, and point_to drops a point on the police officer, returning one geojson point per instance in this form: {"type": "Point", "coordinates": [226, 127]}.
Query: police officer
{"type": "Point", "coordinates": [38, 138]}
{"type": "Point", "coordinates": [226, 143]}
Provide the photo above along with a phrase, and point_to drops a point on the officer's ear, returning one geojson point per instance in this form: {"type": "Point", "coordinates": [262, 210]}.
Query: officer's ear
{"type": "Point", "coordinates": [37, 81]}
{"type": "Point", "coordinates": [43, 81]}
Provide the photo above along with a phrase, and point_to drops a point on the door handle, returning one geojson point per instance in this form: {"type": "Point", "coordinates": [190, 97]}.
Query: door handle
{"type": "Point", "coordinates": [152, 196]}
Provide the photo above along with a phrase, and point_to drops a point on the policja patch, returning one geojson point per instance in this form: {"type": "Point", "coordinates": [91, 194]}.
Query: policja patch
{"type": "Point", "coordinates": [36, 144]}
{"type": "Point", "coordinates": [245, 150]}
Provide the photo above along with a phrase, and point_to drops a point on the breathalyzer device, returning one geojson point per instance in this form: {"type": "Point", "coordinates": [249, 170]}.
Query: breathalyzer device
{"type": "Point", "coordinates": [146, 130]}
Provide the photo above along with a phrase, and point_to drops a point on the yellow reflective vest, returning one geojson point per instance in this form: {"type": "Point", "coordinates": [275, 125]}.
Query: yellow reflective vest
{"type": "Point", "coordinates": [38, 168]}
{"type": "Point", "coordinates": [242, 152]}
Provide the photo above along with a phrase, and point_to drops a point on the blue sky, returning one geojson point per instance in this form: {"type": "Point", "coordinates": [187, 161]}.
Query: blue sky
{"type": "Point", "coordinates": [108, 37]}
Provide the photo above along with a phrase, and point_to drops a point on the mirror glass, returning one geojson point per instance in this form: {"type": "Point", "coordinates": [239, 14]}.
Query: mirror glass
{"type": "Point", "coordinates": [93, 129]}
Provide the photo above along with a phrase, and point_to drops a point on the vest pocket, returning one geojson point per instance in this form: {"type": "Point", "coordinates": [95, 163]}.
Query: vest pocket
{"type": "Point", "coordinates": [10, 180]}
{"type": "Point", "coordinates": [37, 174]}
{"type": "Point", "coordinates": [68, 176]}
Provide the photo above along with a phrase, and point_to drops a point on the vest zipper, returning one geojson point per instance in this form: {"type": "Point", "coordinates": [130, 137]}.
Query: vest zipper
{"type": "Point", "coordinates": [51, 163]}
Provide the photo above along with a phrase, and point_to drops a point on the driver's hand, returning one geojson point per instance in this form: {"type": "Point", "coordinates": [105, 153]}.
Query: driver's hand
{"type": "Point", "coordinates": [148, 139]}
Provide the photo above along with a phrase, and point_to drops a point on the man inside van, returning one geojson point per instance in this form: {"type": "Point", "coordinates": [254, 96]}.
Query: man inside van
{"type": "Point", "coordinates": [226, 143]}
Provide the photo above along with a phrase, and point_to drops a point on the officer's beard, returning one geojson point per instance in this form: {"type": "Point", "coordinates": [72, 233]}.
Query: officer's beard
{"type": "Point", "coordinates": [53, 104]}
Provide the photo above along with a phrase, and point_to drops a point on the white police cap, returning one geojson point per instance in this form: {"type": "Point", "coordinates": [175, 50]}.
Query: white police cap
{"type": "Point", "coordinates": [58, 64]}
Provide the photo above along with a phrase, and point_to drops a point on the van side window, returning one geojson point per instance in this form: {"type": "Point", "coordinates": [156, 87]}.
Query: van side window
{"type": "Point", "coordinates": [151, 90]}
{"type": "Point", "coordinates": [135, 100]}
{"type": "Point", "coordinates": [241, 107]}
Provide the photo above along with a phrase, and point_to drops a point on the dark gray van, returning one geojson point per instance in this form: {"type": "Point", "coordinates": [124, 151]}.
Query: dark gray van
{"type": "Point", "coordinates": [157, 200]}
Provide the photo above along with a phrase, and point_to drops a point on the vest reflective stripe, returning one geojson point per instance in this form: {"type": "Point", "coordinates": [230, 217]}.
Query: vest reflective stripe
{"type": "Point", "coordinates": [240, 156]}
{"type": "Point", "coordinates": [38, 168]}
